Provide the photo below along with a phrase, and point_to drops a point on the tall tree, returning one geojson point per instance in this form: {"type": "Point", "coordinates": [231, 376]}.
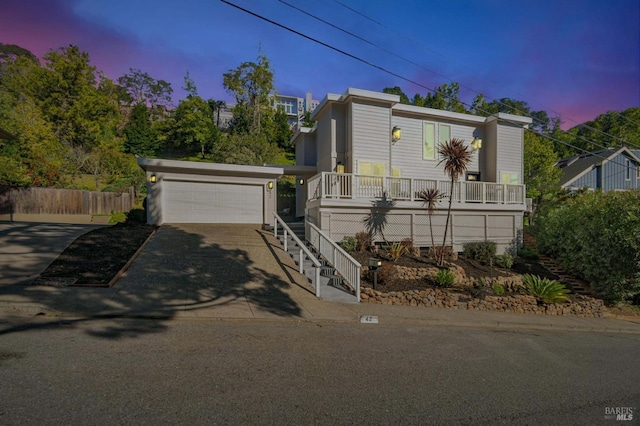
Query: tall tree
{"type": "Point", "coordinates": [144, 89]}
{"type": "Point", "coordinates": [192, 124]}
{"type": "Point", "coordinates": [445, 97]}
{"type": "Point", "coordinates": [217, 107]}
{"type": "Point", "coordinates": [140, 137]}
{"type": "Point", "coordinates": [251, 84]}
{"type": "Point", "coordinates": [76, 98]}
{"type": "Point", "coordinates": [541, 176]}
{"type": "Point", "coordinates": [396, 90]}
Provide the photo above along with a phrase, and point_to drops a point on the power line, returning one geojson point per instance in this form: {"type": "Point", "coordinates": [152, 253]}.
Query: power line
{"type": "Point", "coordinates": [509, 107]}
{"type": "Point", "coordinates": [350, 55]}
{"type": "Point", "coordinates": [469, 69]}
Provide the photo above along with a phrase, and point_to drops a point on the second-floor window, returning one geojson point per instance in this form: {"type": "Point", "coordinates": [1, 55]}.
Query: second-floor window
{"type": "Point", "coordinates": [433, 135]}
{"type": "Point", "coordinates": [628, 171]}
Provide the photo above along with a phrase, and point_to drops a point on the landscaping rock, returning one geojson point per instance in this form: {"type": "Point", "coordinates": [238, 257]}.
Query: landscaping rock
{"type": "Point", "coordinates": [581, 306]}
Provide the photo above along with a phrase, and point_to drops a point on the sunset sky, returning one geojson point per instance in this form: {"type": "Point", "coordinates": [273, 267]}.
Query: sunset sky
{"type": "Point", "coordinates": [573, 58]}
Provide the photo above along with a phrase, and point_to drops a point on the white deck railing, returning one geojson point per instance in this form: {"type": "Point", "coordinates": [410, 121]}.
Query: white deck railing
{"type": "Point", "coordinates": [344, 264]}
{"type": "Point", "coordinates": [303, 250]}
{"type": "Point", "coordinates": [350, 186]}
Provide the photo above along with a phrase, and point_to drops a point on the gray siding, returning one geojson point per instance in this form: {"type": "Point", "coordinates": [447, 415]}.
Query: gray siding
{"type": "Point", "coordinates": [323, 141]}
{"type": "Point", "coordinates": [306, 152]}
{"type": "Point", "coordinates": [504, 229]}
{"type": "Point", "coordinates": [406, 154]}
{"type": "Point", "coordinates": [615, 172]}
{"type": "Point", "coordinates": [509, 149]}
{"type": "Point", "coordinates": [371, 133]}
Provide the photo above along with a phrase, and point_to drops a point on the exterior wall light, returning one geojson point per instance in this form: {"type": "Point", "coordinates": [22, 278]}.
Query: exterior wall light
{"type": "Point", "coordinates": [476, 144]}
{"type": "Point", "coordinates": [270, 185]}
{"type": "Point", "coordinates": [396, 134]}
{"type": "Point", "coordinates": [153, 179]}
{"type": "Point", "coordinates": [301, 181]}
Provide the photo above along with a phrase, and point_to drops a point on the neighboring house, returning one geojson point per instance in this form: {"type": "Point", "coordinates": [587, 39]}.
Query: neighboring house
{"type": "Point", "coordinates": [293, 106]}
{"type": "Point", "coordinates": [608, 169]}
{"type": "Point", "coordinates": [354, 164]}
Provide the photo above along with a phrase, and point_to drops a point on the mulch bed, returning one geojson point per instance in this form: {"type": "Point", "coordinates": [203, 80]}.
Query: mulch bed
{"type": "Point", "coordinates": [96, 257]}
{"type": "Point", "coordinates": [472, 268]}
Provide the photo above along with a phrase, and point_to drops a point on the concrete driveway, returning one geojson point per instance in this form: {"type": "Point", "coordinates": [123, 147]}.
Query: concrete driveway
{"type": "Point", "coordinates": [217, 271]}
{"type": "Point", "coordinates": [26, 248]}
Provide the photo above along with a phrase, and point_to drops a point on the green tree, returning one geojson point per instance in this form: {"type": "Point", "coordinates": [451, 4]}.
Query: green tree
{"type": "Point", "coordinates": [81, 103]}
{"type": "Point", "coordinates": [139, 136]}
{"type": "Point", "coordinates": [251, 84]}
{"type": "Point", "coordinates": [541, 176]}
{"type": "Point", "coordinates": [217, 107]}
{"type": "Point", "coordinates": [445, 97]}
{"type": "Point", "coordinates": [192, 125]}
{"type": "Point", "coordinates": [396, 90]}
{"type": "Point", "coordinates": [144, 89]}
{"type": "Point", "coordinates": [280, 130]}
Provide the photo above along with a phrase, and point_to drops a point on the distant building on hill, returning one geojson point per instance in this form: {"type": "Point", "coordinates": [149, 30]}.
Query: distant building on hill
{"type": "Point", "coordinates": [293, 106]}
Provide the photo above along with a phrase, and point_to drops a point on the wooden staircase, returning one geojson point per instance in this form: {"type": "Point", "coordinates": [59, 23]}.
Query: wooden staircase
{"type": "Point", "coordinates": [576, 285]}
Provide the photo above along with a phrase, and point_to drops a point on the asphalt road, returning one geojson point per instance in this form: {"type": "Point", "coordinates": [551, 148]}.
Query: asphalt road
{"type": "Point", "coordinates": [251, 372]}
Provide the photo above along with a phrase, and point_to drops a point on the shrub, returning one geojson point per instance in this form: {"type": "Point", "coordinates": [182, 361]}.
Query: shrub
{"type": "Point", "coordinates": [445, 278]}
{"type": "Point", "coordinates": [483, 251]}
{"type": "Point", "coordinates": [504, 260]}
{"type": "Point", "coordinates": [386, 273]}
{"type": "Point", "coordinates": [118, 217]}
{"type": "Point", "coordinates": [528, 253]}
{"type": "Point", "coordinates": [363, 241]}
{"type": "Point", "coordinates": [349, 243]}
{"type": "Point", "coordinates": [396, 250]}
{"type": "Point", "coordinates": [498, 289]}
{"type": "Point", "coordinates": [596, 236]}
{"type": "Point", "coordinates": [137, 215]}
{"type": "Point", "coordinates": [544, 289]}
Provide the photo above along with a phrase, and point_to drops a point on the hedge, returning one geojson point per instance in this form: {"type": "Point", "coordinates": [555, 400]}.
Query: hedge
{"type": "Point", "coordinates": [596, 236]}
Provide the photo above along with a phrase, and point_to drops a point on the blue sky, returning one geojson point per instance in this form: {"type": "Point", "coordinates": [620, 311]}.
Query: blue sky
{"type": "Point", "coordinates": [575, 59]}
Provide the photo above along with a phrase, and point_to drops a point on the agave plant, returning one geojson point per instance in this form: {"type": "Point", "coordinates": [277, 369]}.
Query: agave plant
{"type": "Point", "coordinates": [549, 291]}
{"type": "Point", "coordinates": [456, 157]}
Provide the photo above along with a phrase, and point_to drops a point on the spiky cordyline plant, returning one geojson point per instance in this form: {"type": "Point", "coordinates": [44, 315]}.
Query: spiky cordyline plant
{"type": "Point", "coordinates": [456, 157]}
{"type": "Point", "coordinates": [429, 199]}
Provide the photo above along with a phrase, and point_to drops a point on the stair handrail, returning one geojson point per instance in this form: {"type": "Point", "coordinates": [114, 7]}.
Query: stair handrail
{"type": "Point", "coordinates": [342, 262]}
{"type": "Point", "coordinates": [303, 250]}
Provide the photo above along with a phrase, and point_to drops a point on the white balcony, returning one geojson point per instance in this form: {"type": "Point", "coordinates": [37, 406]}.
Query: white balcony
{"type": "Point", "coordinates": [328, 185]}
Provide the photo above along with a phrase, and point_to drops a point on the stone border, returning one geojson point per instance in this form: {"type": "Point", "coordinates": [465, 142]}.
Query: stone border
{"type": "Point", "coordinates": [580, 306]}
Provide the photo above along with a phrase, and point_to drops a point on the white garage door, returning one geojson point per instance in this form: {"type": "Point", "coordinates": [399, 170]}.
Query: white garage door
{"type": "Point", "coordinates": [198, 202]}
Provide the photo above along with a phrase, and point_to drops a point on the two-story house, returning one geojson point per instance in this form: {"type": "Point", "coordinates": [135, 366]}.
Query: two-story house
{"type": "Point", "coordinates": [610, 169]}
{"type": "Point", "coordinates": [369, 156]}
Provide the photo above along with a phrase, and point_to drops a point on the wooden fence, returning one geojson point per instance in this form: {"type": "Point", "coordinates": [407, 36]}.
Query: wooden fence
{"type": "Point", "coordinates": [63, 201]}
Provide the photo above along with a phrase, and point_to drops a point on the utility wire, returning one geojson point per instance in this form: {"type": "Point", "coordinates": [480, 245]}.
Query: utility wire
{"type": "Point", "coordinates": [469, 69]}
{"type": "Point", "coordinates": [509, 107]}
{"type": "Point", "coordinates": [408, 80]}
